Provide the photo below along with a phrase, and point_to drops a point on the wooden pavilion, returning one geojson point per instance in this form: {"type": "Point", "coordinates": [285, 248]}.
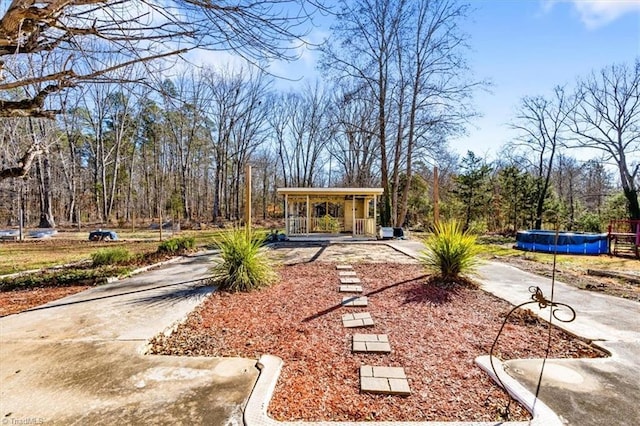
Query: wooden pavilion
{"type": "Point", "coordinates": [330, 210]}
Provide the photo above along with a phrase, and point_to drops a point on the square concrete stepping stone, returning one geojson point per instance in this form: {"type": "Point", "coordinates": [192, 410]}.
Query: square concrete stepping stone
{"type": "Point", "coordinates": [344, 267]}
{"type": "Point", "coordinates": [350, 288]}
{"type": "Point", "coordinates": [353, 301]}
{"type": "Point", "coordinates": [349, 280]}
{"type": "Point", "coordinates": [361, 319]}
{"type": "Point", "coordinates": [375, 343]}
{"type": "Point", "coordinates": [384, 380]}
{"type": "Point", "coordinates": [347, 273]}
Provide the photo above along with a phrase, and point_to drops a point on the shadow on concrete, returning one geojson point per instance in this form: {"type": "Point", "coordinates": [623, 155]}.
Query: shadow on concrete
{"type": "Point", "coordinates": [172, 297]}
{"type": "Point", "coordinates": [197, 283]}
{"type": "Point", "coordinates": [317, 255]}
{"type": "Point", "coordinates": [303, 244]}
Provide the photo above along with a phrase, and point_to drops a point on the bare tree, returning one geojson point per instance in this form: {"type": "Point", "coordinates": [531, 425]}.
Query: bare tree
{"type": "Point", "coordinates": [408, 58]}
{"type": "Point", "coordinates": [49, 46]}
{"type": "Point", "coordinates": [366, 32]}
{"type": "Point", "coordinates": [185, 110]}
{"type": "Point", "coordinates": [302, 132]}
{"type": "Point", "coordinates": [353, 146]}
{"type": "Point", "coordinates": [607, 119]}
{"type": "Point", "coordinates": [567, 178]}
{"type": "Point", "coordinates": [237, 118]}
{"type": "Point", "coordinates": [597, 185]}
{"type": "Point", "coordinates": [433, 71]}
{"type": "Point", "coordinates": [542, 123]}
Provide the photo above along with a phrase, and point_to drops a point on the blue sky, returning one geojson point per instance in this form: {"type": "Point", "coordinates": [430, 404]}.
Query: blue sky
{"type": "Point", "coordinates": [528, 47]}
{"type": "Point", "coordinates": [524, 47]}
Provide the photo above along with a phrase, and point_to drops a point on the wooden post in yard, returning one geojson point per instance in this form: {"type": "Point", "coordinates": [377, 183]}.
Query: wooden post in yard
{"type": "Point", "coordinates": [436, 201]}
{"type": "Point", "coordinates": [21, 224]}
{"type": "Point", "coordinates": [247, 207]}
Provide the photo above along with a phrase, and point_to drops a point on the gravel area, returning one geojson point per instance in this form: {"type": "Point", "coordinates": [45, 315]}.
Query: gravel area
{"type": "Point", "coordinates": [435, 334]}
{"type": "Point", "coordinates": [369, 252]}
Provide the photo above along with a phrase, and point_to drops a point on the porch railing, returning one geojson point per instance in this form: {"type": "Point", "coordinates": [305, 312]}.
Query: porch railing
{"type": "Point", "coordinates": [297, 225]}
{"type": "Point", "coordinates": [365, 227]}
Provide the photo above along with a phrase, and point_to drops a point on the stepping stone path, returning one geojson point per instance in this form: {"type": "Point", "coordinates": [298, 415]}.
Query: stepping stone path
{"type": "Point", "coordinates": [386, 380]}
{"type": "Point", "coordinates": [350, 288]}
{"type": "Point", "coordinates": [353, 301]}
{"type": "Point", "coordinates": [362, 319]}
{"type": "Point", "coordinates": [373, 379]}
{"type": "Point", "coordinates": [377, 343]}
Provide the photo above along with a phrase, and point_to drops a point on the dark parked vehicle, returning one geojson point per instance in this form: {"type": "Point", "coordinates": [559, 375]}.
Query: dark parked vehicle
{"type": "Point", "coordinates": [101, 235]}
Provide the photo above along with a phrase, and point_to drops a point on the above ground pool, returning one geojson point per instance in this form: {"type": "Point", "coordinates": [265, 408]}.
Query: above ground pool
{"type": "Point", "coordinates": [568, 242]}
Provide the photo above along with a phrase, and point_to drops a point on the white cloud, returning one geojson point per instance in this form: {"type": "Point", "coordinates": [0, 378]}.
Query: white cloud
{"type": "Point", "coordinates": [598, 13]}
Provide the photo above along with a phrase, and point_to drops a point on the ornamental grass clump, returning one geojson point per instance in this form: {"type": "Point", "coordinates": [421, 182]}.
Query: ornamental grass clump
{"type": "Point", "coordinates": [177, 245]}
{"type": "Point", "coordinates": [450, 251]}
{"type": "Point", "coordinates": [243, 265]}
{"type": "Point", "coordinates": [111, 256]}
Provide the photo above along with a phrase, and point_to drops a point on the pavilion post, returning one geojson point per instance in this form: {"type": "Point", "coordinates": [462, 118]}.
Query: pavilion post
{"type": "Point", "coordinates": [375, 212]}
{"type": "Point", "coordinates": [308, 215]}
{"type": "Point", "coordinates": [286, 214]}
{"type": "Point", "coordinates": [353, 216]}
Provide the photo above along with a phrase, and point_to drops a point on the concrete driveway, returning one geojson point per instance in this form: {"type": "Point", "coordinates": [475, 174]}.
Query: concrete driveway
{"type": "Point", "coordinates": [80, 360]}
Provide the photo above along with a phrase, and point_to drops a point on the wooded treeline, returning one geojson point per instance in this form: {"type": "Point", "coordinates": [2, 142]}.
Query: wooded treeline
{"type": "Point", "coordinates": [395, 88]}
{"type": "Point", "coordinates": [122, 153]}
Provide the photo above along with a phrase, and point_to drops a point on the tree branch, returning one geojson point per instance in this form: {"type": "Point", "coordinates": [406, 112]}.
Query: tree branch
{"type": "Point", "coordinates": [24, 164]}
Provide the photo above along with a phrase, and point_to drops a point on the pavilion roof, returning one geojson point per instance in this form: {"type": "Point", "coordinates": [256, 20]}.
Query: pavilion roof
{"type": "Point", "coordinates": [330, 191]}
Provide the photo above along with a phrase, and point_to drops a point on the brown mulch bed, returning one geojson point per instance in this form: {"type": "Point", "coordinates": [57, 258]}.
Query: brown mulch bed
{"type": "Point", "coordinates": [18, 300]}
{"type": "Point", "coordinates": [435, 334]}
{"type": "Point", "coordinates": [12, 302]}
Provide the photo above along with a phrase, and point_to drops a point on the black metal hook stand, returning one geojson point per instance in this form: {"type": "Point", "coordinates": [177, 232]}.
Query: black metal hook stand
{"type": "Point", "coordinates": [538, 297]}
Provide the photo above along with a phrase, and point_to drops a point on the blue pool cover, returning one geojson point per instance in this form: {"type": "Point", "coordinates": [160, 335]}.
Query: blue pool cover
{"type": "Point", "coordinates": [568, 242]}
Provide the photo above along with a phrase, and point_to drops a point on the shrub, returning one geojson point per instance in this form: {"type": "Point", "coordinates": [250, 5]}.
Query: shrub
{"type": "Point", "coordinates": [61, 278]}
{"type": "Point", "coordinates": [243, 266]}
{"type": "Point", "coordinates": [589, 222]}
{"type": "Point", "coordinates": [177, 245]}
{"type": "Point", "coordinates": [328, 224]}
{"type": "Point", "coordinates": [450, 251]}
{"type": "Point", "coordinates": [111, 256]}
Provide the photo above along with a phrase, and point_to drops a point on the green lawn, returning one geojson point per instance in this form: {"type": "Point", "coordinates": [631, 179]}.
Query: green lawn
{"type": "Point", "coordinates": [503, 250]}
{"type": "Point", "coordinates": [495, 247]}
{"type": "Point", "coordinates": [73, 246]}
